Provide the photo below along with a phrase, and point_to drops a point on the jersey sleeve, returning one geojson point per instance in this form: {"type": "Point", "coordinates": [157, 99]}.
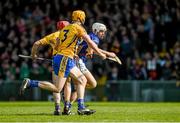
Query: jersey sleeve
{"type": "Point", "coordinates": [81, 31]}
{"type": "Point", "coordinates": [49, 38]}
{"type": "Point", "coordinates": [94, 38]}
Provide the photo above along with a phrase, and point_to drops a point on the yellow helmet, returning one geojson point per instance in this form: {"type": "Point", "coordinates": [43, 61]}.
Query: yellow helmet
{"type": "Point", "coordinates": [78, 15]}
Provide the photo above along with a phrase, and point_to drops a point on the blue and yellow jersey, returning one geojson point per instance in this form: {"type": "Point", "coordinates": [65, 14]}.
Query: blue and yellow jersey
{"type": "Point", "coordinates": [69, 36]}
{"type": "Point", "coordinates": [83, 46]}
{"type": "Point", "coordinates": [51, 40]}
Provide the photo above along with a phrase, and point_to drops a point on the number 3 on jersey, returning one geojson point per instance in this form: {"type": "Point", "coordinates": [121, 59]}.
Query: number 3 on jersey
{"type": "Point", "coordinates": [65, 35]}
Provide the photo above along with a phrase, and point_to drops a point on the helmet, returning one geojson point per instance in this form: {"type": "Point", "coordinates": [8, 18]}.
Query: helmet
{"type": "Point", "coordinates": [96, 27]}
{"type": "Point", "coordinates": [78, 15]}
{"type": "Point", "coordinates": [61, 24]}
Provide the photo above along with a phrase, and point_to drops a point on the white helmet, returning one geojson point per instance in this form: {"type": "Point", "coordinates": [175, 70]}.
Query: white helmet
{"type": "Point", "coordinates": [96, 27]}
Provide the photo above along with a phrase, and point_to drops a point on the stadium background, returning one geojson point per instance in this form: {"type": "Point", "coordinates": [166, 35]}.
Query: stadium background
{"type": "Point", "coordinates": [145, 34]}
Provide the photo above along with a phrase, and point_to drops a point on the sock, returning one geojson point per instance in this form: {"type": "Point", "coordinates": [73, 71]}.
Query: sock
{"type": "Point", "coordinates": [81, 104]}
{"type": "Point", "coordinates": [33, 83]}
{"type": "Point", "coordinates": [67, 104]}
{"type": "Point", "coordinates": [70, 105]}
{"type": "Point", "coordinates": [57, 107]}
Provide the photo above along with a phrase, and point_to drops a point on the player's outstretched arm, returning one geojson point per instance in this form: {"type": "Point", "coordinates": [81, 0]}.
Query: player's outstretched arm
{"type": "Point", "coordinates": [36, 46]}
{"type": "Point", "coordinates": [41, 42]}
{"type": "Point", "coordinates": [34, 49]}
{"type": "Point", "coordinates": [93, 46]}
{"type": "Point", "coordinates": [108, 54]}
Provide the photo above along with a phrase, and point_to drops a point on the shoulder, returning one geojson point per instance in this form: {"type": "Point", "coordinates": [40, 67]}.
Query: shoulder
{"type": "Point", "coordinates": [56, 33]}
{"type": "Point", "coordinates": [79, 27]}
{"type": "Point", "coordinates": [53, 34]}
{"type": "Point", "coordinates": [94, 37]}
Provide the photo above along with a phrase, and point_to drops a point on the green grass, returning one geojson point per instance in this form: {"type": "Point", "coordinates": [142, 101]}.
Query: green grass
{"type": "Point", "coordinates": [106, 112]}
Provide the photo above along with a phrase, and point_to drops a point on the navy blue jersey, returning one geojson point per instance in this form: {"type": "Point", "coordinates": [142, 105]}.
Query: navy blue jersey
{"type": "Point", "coordinates": [83, 46]}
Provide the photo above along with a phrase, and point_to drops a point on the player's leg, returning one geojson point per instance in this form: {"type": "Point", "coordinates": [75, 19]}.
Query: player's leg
{"type": "Point", "coordinates": [70, 96]}
{"type": "Point", "coordinates": [81, 80]}
{"type": "Point", "coordinates": [73, 97]}
{"type": "Point", "coordinates": [28, 83]}
{"type": "Point", "coordinates": [73, 93]}
{"type": "Point", "coordinates": [91, 82]}
{"type": "Point", "coordinates": [65, 65]}
{"type": "Point", "coordinates": [67, 90]}
{"type": "Point", "coordinates": [67, 95]}
{"type": "Point", "coordinates": [57, 97]}
{"type": "Point", "coordinates": [59, 82]}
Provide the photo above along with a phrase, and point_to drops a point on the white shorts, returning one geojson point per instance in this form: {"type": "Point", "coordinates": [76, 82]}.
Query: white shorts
{"type": "Point", "coordinates": [80, 64]}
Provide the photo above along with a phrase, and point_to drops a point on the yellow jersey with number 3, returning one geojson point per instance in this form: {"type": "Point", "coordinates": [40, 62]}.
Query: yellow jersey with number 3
{"type": "Point", "coordinates": [69, 36]}
{"type": "Point", "coordinates": [51, 40]}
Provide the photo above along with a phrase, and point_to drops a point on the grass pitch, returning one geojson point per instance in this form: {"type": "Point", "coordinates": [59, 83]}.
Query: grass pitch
{"type": "Point", "coordinates": [105, 112]}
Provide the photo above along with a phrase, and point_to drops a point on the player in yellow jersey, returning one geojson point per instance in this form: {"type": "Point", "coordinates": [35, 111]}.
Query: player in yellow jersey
{"type": "Point", "coordinates": [63, 62]}
{"type": "Point", "coordinates": [52, 40]}
{"type": "Point", "coordinates": [60, 25]}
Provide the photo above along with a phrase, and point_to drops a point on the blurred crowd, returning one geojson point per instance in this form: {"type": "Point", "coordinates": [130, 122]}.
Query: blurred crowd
{"type": "Point", "coordinates": [145, 35]}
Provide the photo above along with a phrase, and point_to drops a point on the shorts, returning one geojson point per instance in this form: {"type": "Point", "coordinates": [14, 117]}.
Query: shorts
{"type": "Point", "coordinates": [81, 65]}
{"type": "Point", "coordinates": [62, 65]}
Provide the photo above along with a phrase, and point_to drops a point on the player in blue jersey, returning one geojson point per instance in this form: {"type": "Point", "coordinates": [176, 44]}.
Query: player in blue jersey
{"type": "Point", "coordinates": [98, 33]}
{"type": "Point", "coordinates": [84, 51]}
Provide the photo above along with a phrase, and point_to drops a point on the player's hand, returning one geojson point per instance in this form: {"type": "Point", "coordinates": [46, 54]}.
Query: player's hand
{"type": "Point", "coordinates": [76, 57]}
{"type": "Point", "coordinates": [34, 56]}
{"type": "Point", "coordinates": [103, 56]}
{"type": "Point", "coordinates": [89, 55]}
{"type": "Point", "coordinates": [111, 54]}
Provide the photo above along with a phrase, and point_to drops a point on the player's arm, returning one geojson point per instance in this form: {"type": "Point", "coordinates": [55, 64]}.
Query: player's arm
{"type": "Point", "coordinates": [35, 47]}
{"type": "Point", "coordinates": [108, 54]}
{"type": "Point", "coordinates": [89, 53]}
{"type": "Point", "coordinates": [42, 42]}
{"type": "Point", "coordinates": [93, 46]}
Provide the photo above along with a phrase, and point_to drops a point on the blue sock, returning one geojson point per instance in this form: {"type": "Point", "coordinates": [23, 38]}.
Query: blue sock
{"type": "Point", "coordinates": [57, 107]}
{"type": "Point", "coordinates": [33, 83]}
{"type": "Point", "coordinates": [81, 104]}
{"type": "Point", "coordinates": [70, 105]}
{"type": "Point", "coordinates": [67, 104]}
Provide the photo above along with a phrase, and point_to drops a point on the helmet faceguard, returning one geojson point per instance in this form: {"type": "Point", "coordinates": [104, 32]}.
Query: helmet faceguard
{"type": "Point", "coordinates": [78, 15]}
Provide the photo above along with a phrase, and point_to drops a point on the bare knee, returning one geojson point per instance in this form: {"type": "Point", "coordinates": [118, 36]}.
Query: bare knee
{"type": "Point", "coordinates": [94, 84]}
{"type": "Point", "coordinates": [91, 84]}
{"type": "Point", "coordinates": [82, 80]}
{"type": "Point", "coordinates": [57, 90]}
